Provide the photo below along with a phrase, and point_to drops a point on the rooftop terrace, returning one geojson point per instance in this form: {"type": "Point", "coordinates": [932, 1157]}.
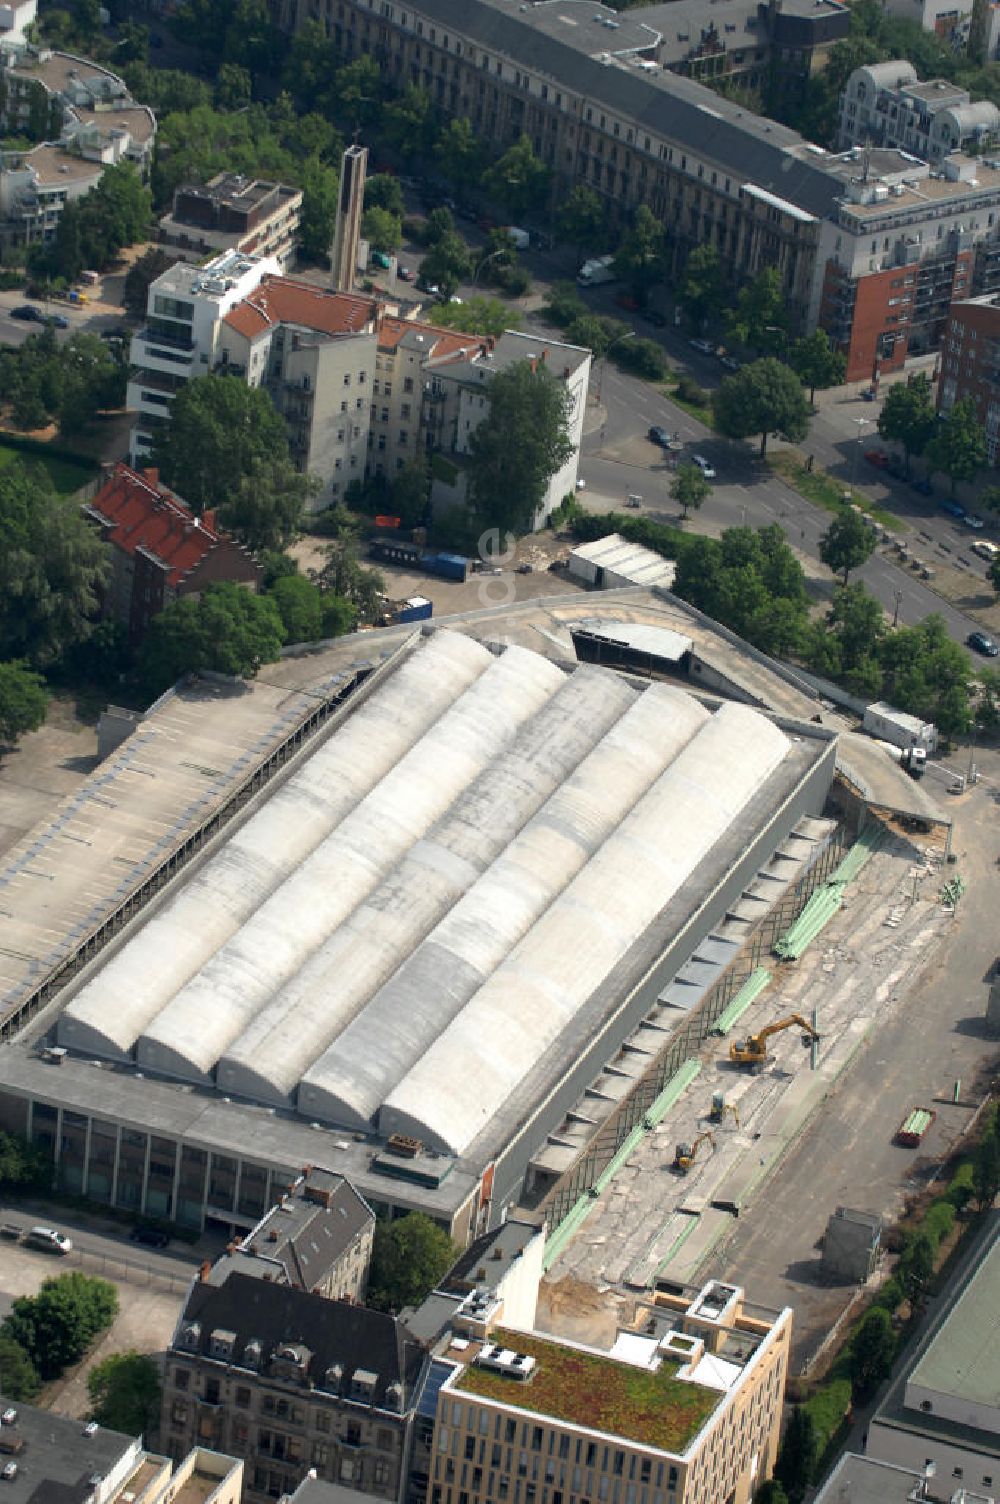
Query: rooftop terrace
{"type": "Point", "coordinates": [586, 1388]}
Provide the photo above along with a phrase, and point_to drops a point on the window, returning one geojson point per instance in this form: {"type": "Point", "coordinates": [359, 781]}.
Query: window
{"type": "Point", "coordinates": [347, 378]}
{"type": "Point", "coordinates": [181, 1378]}
{"type": "Point", "coordinates": [178, 1412]}
{"type": "Point", "coordinates": [242, 1398]}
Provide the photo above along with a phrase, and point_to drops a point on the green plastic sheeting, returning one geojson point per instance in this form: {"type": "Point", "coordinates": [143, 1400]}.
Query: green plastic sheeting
{"type": "Point", "coordinates": [816, 915]}
{"type": "Point", "coordinates": [581, 1208]}
{"type": "Point", "coordinates": [748, 993]}
{"type": "Point", "coordinates": [868, 842]}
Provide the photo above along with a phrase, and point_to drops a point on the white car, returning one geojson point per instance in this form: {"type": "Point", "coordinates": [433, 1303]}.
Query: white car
{"type": "Point", "coordinates": [48, 1239]}
{"type": "Point", "coordinates": [706, 469]}
{"type": "Point", "coordinates": [984, 549]}
{"type": "Point", "coordinates": [704, 345]}
{"type": "Point", "coordinates": [976, 523]}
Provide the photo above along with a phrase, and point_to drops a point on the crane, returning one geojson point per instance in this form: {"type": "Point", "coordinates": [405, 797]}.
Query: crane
{"type": "Point", "coordinates": [719, 1109]}
{"type": "Point", "coordinates": [753, 1049]}
{"type": "Point", "coordinates": [685, 1154]}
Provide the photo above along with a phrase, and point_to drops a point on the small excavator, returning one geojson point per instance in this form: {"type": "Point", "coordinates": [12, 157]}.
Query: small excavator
{"type": "Point", "coordinates": [685, 1154]}
{"type": "Point", "coordinates": [753, 1049]}
{"type": "Point", "coordinates": [720, 1107]}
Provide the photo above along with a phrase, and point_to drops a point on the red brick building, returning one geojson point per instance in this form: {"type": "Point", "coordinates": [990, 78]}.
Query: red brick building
{"type": "Point", "coordinates": [970, 364]}
{"type": "Point", "coordinates": [160, 549]}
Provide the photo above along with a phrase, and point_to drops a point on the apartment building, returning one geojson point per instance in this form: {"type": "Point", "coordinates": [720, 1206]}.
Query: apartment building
{"type": "Point", "coordinates": [884, 104]}
{"type": "Point", "coordinates": [683, 1409]}
{"type": "Point", "coordinates": [970, 364]}
{"type": "Point", "coordinates": [586, 86]}
{"type": "Point", "coordinates": [180, 338]}
{"type": "Point", "coordinates": [50, 1457]}
{"type": "Point", "coordinates": [89, 122]}
{"type": "Point", "coordinates": [456, 400]}
{"type": "Point", "coordinates": [160, 551]}
{"type": "Point", "coordinates": [233, 213]}
{"type": "Point", "coordinates": [15, 17]}
{"type": "Point", "coordinates": [291, 1381]}
{"type": "Point", "coordinates": [318, 1237]}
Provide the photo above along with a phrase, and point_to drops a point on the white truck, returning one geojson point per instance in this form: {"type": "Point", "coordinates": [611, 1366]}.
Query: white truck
{"type": "Point", "coordinates": [887, 724]}
{"type": "Point", "coordinates": [912, 760]}
{"type": "Point", "coordinates": [521, 238]}
{"type": "Point", "coordinates": [593, 273]}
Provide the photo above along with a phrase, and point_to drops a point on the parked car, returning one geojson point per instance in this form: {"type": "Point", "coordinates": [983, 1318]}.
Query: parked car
{"type": "Point", "coordinates": [58, 319]}
{"type": "Point", "coordinates": [976, 523]}
{"type": "Point", "coordinates": [896, 468]}
{"type": "Point", "coordinates": [730, 362]}
{"type": "Point", "coordinates": [152, 1237]}
{"type": "Point", "coordinates": [379, 258]}
{"type": "Point", "coordinates": [706, 469]}
{"type": "Point", "coordinates": [981, 547]}
{"type": "Point", "coordinates": [923, 487]}
{"type": "Point", "coordinates": [49, 1240]}
{"type": "Point", "coordinates": [525, 569]}
{"type": "Point", "coordinates": [27, 312]}
{"type": "Point", "coordinates": [951, 507]}
{"type": "Point", "coordinates": [869, 394]}
{"type": "Point", "coordinates": [658, 435]}
{"type": "Point", "coordinates": [404, 274]}
{"type": "Point", "coordinates": [704, 345]}
{"type": "Point", "coordinates": [981, 642]}
{"type": "Point", "coordinates": [633, 501]}
{"type": "Point", "coordinates": [877, 457]}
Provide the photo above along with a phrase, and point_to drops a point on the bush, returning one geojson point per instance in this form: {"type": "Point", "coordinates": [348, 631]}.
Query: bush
{"type": "Point", "coordinates": [891, 1295]}
{"type": "Point", "coordinates": [644, 357]}
{"type": "Point", "coordinates": [125, 1392]}
{"type": "Point", "coordinates": [688, 390]}
{"type": "Point", "coordinates": [828, 1409]}
{"type": "Point", "coordinates": [939, 1221]}
{"type": "Point", "coordinates": [960, 1188]}
{"type": "Point", "coordinates": [56, 1326]}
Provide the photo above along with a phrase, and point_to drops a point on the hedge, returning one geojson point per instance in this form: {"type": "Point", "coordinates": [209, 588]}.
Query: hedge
{"type": "Point", "coordinates": [939, 1221]}
{"type": "Point", "coordinates": [828, 1408]}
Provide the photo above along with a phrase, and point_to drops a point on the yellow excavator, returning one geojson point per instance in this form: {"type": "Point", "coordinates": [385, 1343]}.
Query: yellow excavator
{"type": "Point", "coordinates": [753, 1049]}
{"type": "Point", "coordinates": [685, 1154]}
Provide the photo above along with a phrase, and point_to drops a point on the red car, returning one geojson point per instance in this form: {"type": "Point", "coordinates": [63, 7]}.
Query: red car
{"type": "Point", "coordinates": [877, 457]}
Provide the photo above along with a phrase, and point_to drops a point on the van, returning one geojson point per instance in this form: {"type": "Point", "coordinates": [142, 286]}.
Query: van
{"type": "Point", "coordinates": [48, 1240]}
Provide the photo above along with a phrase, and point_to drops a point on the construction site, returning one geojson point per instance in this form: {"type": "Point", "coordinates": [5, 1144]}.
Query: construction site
{"type": "Point", "coordinates": [405, 966]}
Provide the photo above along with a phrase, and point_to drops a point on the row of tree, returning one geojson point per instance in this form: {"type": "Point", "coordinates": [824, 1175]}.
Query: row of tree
{"type": "Point", "coordinates": [48, 1332]}
{"type": "Point", "coordinates": [46, 382]}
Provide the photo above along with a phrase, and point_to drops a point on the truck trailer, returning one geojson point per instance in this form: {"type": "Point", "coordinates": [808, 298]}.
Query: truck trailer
{"type": "Point", "coordinates": [890, 725]}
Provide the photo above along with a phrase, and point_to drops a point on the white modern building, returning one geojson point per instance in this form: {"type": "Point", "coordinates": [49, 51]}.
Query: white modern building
{"type": "Point", "coordinates": [885, 104]}
{"type": "Point", "coordinates": [15, 17]}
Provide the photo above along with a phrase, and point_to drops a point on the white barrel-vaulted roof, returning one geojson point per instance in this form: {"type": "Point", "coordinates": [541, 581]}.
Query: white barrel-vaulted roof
{"type": "Point", "coordinates": [351, 1080]}
{"type": "Point", "coordinates": [464, 1079]}
{"type": "Point", "coordinates": [341, 977]}
{"type": "Point", "coordinates": [110, 1012]}
{"type": "Point", "coordinates": [245, 977]}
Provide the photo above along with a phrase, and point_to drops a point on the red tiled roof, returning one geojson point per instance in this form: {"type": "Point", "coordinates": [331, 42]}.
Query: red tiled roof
{"type": "Point", "coordinates": [443, 342]}
{"type": "Point", "coordinates": [283, 300]}
{"type": "Point", "coordinates": [137, 513]}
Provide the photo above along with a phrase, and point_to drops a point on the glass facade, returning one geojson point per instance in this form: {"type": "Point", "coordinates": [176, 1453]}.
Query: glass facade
{"type": "Point", "coordinates": [101, 1160]}
{"type": "Point", "coordinates": [131, 1169]}
{"type": "Point", "coordinates": [73, 1151]}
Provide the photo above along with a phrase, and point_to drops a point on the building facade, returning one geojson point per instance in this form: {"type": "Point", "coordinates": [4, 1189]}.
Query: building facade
{"type": "Point", "coordinates": [160, 550]}
{"type": "Point", "coordinates": [318, 1237]}
{"type": "Point", "coordinates": [884, 104]}
{"type": "Point", "coordinates": [233, 213]}
{"type": "Point", "coordinates": [291, 1381]}
{"type": "Point", "coordinates": [685, 1409]}
{"type": "Point", "coordinates": [970, 364]}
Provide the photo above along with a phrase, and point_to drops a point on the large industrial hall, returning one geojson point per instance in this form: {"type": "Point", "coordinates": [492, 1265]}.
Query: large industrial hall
{"type": "Point", "coordinates": [491, 884]}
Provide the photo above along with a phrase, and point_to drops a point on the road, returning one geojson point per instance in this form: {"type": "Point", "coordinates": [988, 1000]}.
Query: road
{"type": "Point", "coordinates": [82, 318]}
{"type": "Point", "coordinates": [95, 1245]}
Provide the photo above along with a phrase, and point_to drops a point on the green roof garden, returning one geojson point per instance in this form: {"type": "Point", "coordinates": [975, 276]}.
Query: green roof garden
{"type": "Point", "coordinates": [599, 1393]}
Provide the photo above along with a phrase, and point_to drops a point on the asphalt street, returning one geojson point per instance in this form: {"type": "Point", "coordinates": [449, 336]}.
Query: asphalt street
{"type": "Point", "coordinates": [91, 1243]}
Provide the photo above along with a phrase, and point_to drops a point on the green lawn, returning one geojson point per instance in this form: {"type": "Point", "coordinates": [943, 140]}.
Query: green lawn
{"type": "Point", "coordinates": [824, 490]}
{"type": "Point", "coordinates": [66, 475]}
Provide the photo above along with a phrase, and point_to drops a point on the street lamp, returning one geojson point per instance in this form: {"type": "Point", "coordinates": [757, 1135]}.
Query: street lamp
{"type": "Point", "coordinates": [503, 251]}
{"type": "Point", "coordinates": [897, 596]}
{"type": "Point", "coordinates": [857, 450]}
{"type": "Point", "coordinates": [629, 334]}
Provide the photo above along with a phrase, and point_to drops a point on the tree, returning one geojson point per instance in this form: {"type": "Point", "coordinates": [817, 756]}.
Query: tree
{"type": "Point", "coordinates": [460, 154]}
{"type": "Point", "coordinates": [124, 1392]}
{"type": "Point", "coordinates": [267, 508]}
{"type": "Point", "coordinates": [446, 264]}
{"type": "Point", "coordinates": [233, 87]}
{"type": "Point", "coordinates": [478, 315]}
{"type": "Point", "coordinates": [908, 417]}
{"type": "Point", "coordinates": [847, 543]}
{"type": "Point", "coordinates": [409, 1257]}
{"type": "Point", "coordinates": [518, 182]}
{"type": "Point", "coordinates": [564, 305]}
{"type": "Point", "coordinates": [382, 229]}
{"type": "Point", "coordinates": [140, 277]}
{"type": "Point", "coordinates": [300, 606]}
{"type": "Point", "coordinates": [227, 629]}
{"type": "Point", "coordinates": [56, 1326]}
{"type": "Point", "coordinates": [582, 220]}
{"type": "Point", "coordinates": [382, 191]}
{"type": "Point", "coordinates": [846, 645]}
{"type": "Point", "coordinates": [22, 1163]}
{"type": "Point", "coordinates": [958, 447]}
{"type": "Point", "coordinates": [927, 674]}
{"type": "Point", "coordinates": [638, 258]}
{"type": "Point", "coordinates": [220, 429]}
{"type": "Point", "coordinates": [988, 706]}
{"type": "Point", "coordinates": [347, 579]}
{"type": "Point", "coordinates": [986, 1169]}
{"type": "Point", "coordinates": [23, 701]}
{"type": "Point", "coordinates": [18, 1375]}
{"type": "Point", "coordinates": [519, 445]}
{"type": "Point", "coordinates": [872, 1351]}
{"type": "Point", "coordinates": [798, 1455]}
{"type": "Point", "coordinates": [993, 574]}
{"type": "Point", "coordinates": [916, 1268]}
{"type": "Point", "coordinates": [764, 397]}
{"type": "Point", "coordinates": [407, 122]}
{"type": "Point", "coordinates": [689, 488]}
{"type": "Point", "coordinates": [816, 363]}
{"type": "Point", "coordinates": [760, 319]}
{"type": "Point", "coordinates": [703, 291]}
{"type": "Point", "coordinates": [53, 566]}
{"type": "Point", "coordinates": [770, 1492]}
{"type": "Point", "coordinates": [319, 209]}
